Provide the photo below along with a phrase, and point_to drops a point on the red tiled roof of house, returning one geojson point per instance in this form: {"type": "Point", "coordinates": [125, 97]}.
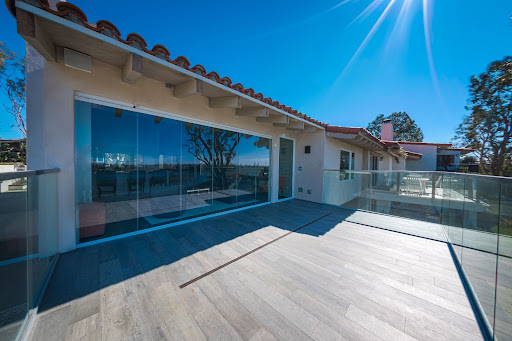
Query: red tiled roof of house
{"type": "Point", "coordinates": [352, 130]}
{"type": "Point", "coordinates": [418, 155]}
{"type": "Point", "coordinates": [447, 145]}
{"type": "Point", "coordinates": [73, 13]}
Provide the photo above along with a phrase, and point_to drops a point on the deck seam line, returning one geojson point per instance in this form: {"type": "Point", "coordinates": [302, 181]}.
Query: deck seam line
{"type": "Point", "coordinates": [250, 252]}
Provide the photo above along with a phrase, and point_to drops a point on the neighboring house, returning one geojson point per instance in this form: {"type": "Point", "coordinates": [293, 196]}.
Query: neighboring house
{"type": "Point", "coordinates": [426, 156]}
{"type": "Point", "coordinates": [360, 150]}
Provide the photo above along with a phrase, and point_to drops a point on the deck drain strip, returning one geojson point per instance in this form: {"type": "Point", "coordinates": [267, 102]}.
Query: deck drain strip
{"type": "Point", "coordinates": [248, 253]}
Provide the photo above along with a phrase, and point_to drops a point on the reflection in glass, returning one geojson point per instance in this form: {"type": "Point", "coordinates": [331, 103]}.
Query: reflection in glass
{"type": "Point", "coordinates": [285, 168]}
{"type": "Point", "coordinates": [253, 169]}
{"type": "Point", "coordinates": [28, 240]}
{"type": "Point", "coordinates": [159, 170]}
{"type": "Point", "coordinates": [107, 179]}
{"type": "Point", "coordinates": [504, 279]}
{"type": "Point", "coordinates": [197, 156]}
{"type": "Point", "coordinates": [225, 177]}
{"type": "Point", "coordinates": [136, 171]}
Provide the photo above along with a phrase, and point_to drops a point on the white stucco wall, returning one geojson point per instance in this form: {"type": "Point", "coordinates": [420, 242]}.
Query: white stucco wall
{"type": "Point", "coordinates": [309, 167]}
{"type": "Point", "coordinates": [50, 118]}
{"type": "Point", "coordinates": [332, 154]}
{"type": "Point", "coordinates": [428, 160]}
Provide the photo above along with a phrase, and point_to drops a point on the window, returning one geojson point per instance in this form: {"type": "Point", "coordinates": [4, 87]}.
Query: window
{"type": "Point", "coordinates": [374, 163]}
{"type": "Point", "coordinates": [445, 163]}
{"type": "Point", "coordinates": [347, 161]}
{"type": "Point", "coordinates": [136, 171]}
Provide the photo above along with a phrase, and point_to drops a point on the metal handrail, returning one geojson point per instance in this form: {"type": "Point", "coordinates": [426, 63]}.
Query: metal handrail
{"type": "Point", "coordinates": [23, 174]}
{"type": "Point", "coordinates": [480, 176]}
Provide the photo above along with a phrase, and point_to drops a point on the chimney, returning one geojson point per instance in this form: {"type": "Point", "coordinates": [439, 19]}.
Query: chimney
{"type": "Point", "coordinates": [386, 131]}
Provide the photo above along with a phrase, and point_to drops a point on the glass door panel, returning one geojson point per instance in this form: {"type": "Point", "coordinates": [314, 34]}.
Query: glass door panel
{"type": "Point", "coordinates": [225, 160]}
{"type": "Point", "coordinates": [253, 169]}
{"type": "Point", "coordinates": [197, 159]}
{"type": "Point", "coordinates": [106, 171]}
{"type": "Point", "coordinates": [286, 156]}
{"type": "Point", "coordinates": [159, 170]}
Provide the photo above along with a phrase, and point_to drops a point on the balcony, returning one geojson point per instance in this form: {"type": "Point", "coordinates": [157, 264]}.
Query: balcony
{"type": "Point", "coordinates": [399, 265]}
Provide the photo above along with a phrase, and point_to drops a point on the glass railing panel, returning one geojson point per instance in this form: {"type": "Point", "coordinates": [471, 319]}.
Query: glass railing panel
{"type": "Point", "coordinates": [409, 195]}
{"type": "Point", "coordinates": [14, 303]}
{"type": "Point", "coordinates": [480, 238]}
{"type": "Point", "coordinates": [28, 242]}
{"type": "Point", "coordinates": [451, 210]}
{"type": "Point", "coordinates": [503, 318]}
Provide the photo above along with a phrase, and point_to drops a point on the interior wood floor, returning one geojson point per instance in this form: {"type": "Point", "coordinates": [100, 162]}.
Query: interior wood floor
{"type": "Point", "coordinates": [331, 280]}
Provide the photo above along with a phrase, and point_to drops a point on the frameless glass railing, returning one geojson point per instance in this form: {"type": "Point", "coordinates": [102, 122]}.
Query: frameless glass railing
{"type": "Point", "coordinates": [28, 243]}
{"type": "Point", "coordinates": [473, 213]}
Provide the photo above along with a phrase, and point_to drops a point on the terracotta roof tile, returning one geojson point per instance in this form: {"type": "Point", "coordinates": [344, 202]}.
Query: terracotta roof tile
{"type": "Point", "coordinates": [354, 131]}
{"type": "Point", "coordinates": [73, 13]}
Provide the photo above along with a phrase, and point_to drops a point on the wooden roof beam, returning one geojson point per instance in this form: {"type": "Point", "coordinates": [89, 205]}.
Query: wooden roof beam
{"type": "Point", "coordinates": [188, 88]}
{"type": "Point", "coordinates": [283, 119]}
{"type": "Point", "coordinates": [291, 125]}
{"type": "Point", "coordinates": [253, 112]}
{"type": "Point", "coordinates": [30, 29]}
{"type": "Point", "coordinates": [132, 69]}
{"type": "Point", "coordinates": [226, 102]}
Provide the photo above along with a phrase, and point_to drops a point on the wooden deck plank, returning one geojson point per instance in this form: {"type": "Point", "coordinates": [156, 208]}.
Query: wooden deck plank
{"type": "Point", "coordinates": [332, 280]}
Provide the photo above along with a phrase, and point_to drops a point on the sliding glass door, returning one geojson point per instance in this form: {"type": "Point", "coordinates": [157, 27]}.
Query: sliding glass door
{"type": "Point", "coordinates": [136, 171]}
{"type": "Point", "coordinates": [286, 158]}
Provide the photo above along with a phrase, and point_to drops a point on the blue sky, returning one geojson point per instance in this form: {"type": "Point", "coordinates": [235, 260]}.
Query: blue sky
{"type": "Point", "coordinates": [298, 52]}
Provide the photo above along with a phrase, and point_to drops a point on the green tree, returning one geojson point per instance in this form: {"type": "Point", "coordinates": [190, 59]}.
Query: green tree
{"type": "Point", "coordinates": [405, 128]}
{"type": "Point", "coordinates": [12, 85]}
{"type": "Point", "coordinates": [468, 159]}
{"type": "Point", "coordinates": [488, 125]}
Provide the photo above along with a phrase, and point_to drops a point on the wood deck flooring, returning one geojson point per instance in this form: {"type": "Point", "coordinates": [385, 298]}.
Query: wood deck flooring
{"type": "Point", "coordinates": [331, 280]}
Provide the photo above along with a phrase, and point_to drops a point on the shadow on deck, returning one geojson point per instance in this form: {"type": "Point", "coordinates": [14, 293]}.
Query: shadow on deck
{"type": "Point", "coordinates": [333, 279]}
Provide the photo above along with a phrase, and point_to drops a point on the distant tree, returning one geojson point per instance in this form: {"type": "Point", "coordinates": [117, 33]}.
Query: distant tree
{"type": "Point", "coordinates": [468, 159]}
{"type": "Point", "coordinates": [12, 85]}
{"type": "Point", "coordinates": [405, 128]}
{"type": "Point", "coordinates": [7, 154]}
{"type": "Point", "coordinates": [488, 126]}
{"type": "Point", "coordinates": [201, 142]}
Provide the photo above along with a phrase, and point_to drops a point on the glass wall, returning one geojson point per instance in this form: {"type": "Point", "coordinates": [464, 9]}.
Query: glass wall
{"type": "Point", "coordinates": [285, 168]}
{"type": "Point", "coordinates": [136, 171]}
{"type": "Point", "coordinates": [28, 241]}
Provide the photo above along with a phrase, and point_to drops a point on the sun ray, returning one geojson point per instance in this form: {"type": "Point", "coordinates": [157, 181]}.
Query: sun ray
{"type": "Point", "coordinates": [367, 11]}
{"type": "Point", "coordinates": [428, 45]}
{"type": "Point", "coordinates": [368, 38]}
{"type": "Point", "coordinates": [400, 28]}
{"type": "Point", "coordinates": [303, 21]}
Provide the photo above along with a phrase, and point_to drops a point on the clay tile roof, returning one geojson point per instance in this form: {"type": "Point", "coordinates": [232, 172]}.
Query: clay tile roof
{"type": "Point", "coordinates": [226, 81]}
{"type": "Point", "coordinates": [73, 13]}
{"type": "Point", "coordinates": [214, 76]}
{"type": "Point", "coordinates": [238, 87]}
{"type": "Point", "coordinates": [199, 69]}
{"type": "Point", "coordinates": [413, 154]}
{"type": "Point", "coordinates": [182, 62]}
{"type": "Point", "coordinates": [135, 40]}
{"type": "Point", "coordinates": [107, 28]}
{"type": "Point", "coordinates": [353, 131]}
{"type": "Point", "coordinates": [161, 52]}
